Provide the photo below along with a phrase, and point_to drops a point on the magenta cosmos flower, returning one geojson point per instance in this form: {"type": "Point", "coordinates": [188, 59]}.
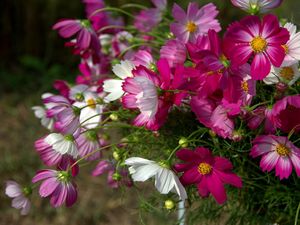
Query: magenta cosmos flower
{"type": "Point", "coordinates": [256, 6]}
{"type": "Point", "coordinates": [262, 40]}
{"type": "Point", "coordinates": [19, 196]}
{"type": "Point", "coordinates": [86, 36]}
{"type": "Point", "coordinates": [195, 22]}
{"type": "Point", "coordinates": [286, 113]}
{"type": "Point", "coordinates": [209, 173]}
{"type": "Point", "coordinates": [277, 152]}
{"type": "Point", "coordinates": [57, 185]}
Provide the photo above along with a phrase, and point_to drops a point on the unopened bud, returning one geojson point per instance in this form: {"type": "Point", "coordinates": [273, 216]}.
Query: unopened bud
{"type": "Point", "coordinates": [169, 204]}
{"type": "Point", "coordinates": [116, 176]}
{"type": "Point", "coordinates": [183, 142]}
{"type": "Point", "coordinates": [113, 117]}
{"type": "Point", "coordinates": [116, 155]}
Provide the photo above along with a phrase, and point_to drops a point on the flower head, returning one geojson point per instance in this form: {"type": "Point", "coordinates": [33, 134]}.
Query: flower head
{"type": "Point", "coordinates": [292, 47]}
{"type": "Point", "coordinates": [19, 195]}
{"type": "Point", "coordinates": [165, 179]}
{"type": "Point", "coordinates": [255, 6]}
{"type": "Point", "coordinates": [209, 173]}
{"type": "Point", "coordinates": [277, 152]}
{"type": "Point", "coordinates": [57, 185]}
{"type": "Point", "coordinates": [286, 74]}
{"type": "Point", "coordinates": [262, 40]}
{"type": "Point", "coordinates": [195, 22]}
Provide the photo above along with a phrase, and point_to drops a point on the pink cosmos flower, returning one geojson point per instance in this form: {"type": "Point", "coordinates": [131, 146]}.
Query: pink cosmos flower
{"type": "Point", "coordinates": [175, 52]}
{"type": "Point", "coordinates": [86, 36]}
{"type": "Point", "coordinates": [255, 6]}
{"type": "Point", "coordinates": [195, 22]}
{"type": "Point", "coordinates": [66, 116]}
{"type": "Point", "coordinates": [202, 43]}
{"type": "Point", "coordinates": [143, 58]}
{"type": "Point", "coordinates": [262, 40]}
{"type": "Point", "coordinates": [108, 167]}
{"type": "Point", "coordinates": [150, 93]}
{"type": "Point", "coordinates": [19, 196]}
{"type": "Point", "coordinates": [89, 141]}
{"type": "Point", "coordinates": [277, 152]}
{"type": "Point", "coordinates": [58, 186]}
{"type": "Point", "coordinates": [209, 173]}
{"type": "Point", "coordinates": [259, 116]}
{"type": "Point", "coordinates": [286, 113]}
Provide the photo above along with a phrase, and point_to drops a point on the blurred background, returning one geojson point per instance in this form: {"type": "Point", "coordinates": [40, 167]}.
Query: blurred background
{"type": "Point", "coordinates": [32, 56]}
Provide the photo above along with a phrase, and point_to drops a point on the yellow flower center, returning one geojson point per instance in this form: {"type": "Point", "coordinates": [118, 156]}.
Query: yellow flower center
{"type": "Point", "coordinates": [287, 73]}
{"type": "Point", "coordinates": [91, 103]}
{"type": "Point", "coordinates": [204, 168]}
{"type": "Point", "coordinates": [191, 27]}
{"type": "Point", "coordinates": [282, 150]}
{"type": "Point", "coordinates": [258, 44]}
{"type": "Point", "coordinates": [286, 48]}
{"type": "Point", "coordinates": [244, 86]}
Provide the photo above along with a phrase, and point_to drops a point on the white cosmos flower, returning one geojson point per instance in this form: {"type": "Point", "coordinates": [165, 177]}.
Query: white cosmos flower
{"type": "Point", "coordinates": [62, 144]}
{"type": "Point", "coordinates": [287, 74]}
{"type": "Point", "coordinates": [165, 179]}
{"type": "Point", "coordinates": [114, 86]}
{"type": "Point", "coordinates": [292, 47]}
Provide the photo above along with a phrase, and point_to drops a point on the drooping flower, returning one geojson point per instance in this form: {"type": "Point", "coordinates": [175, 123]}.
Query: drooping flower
{"type": "Point", "coordinates": [292, 47]}
{"type": "Point", "coordinates": [286, 113]}
{"type": "Point", "coordinates": [86, 36]}
{"type": "Point", "coordinates": [19, 196]}
{"type": "Point", "coordinates": [277, 152]}
{"type": "Point", "coordinates": [256, 6]}
{"type": "Point", "coordinates": [58, 186]}
{"type": "Point", "coordinates": [195, 22]}
{"type": "Point", "coordinates": [115, 177]}
{"type": "Point", "coordinates": [286, 74]}
{"type": "Point", "coordinates": [54, 147]}
{"type": "Point", "coordinates": [209, 173]}
{"type": "Point", "coordinates": [165, 179]}
{"type": "Point", "coordinates": [262, 40]}
{"type": "Point", "coordinates": [114, 86]}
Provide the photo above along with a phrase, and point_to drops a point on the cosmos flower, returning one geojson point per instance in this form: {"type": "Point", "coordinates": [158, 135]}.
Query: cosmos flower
{"type": "Point", "coordinates": [277, 152]}
{"type": "Point", "coordinates": [19, 196]}
{"type": "Point", "coordinates": [114, 86]}
{"type": "Point", "coordinates": [256, 6]}
{"type": "Point", "coordinates": [165, 179]}
{"type": "Point", "coordinates": [190, 25]}
{"type": "Point", "coordinates": [286, 74]}
{"type": "Point", "coordinates": [175, 52]}
{"type": "Point", "coordinates": [58, 186]}
{"type": "Point", "coordinates": [292, 47]}
{"type": "Point", "coordinates": [262, 40]}
{"type": "Point", "coordinates": [208, 172]}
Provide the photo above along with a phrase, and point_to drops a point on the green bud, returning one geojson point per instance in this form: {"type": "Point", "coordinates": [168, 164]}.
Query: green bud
{"type": "Point", "coordinates": [183, 142]}
{"type": "Point", "coordinates": [116, 155]}
{"type": "Point", "coordinates": [79, 97]}
{"type": "Point", "coordinates": [116, 176]}
{"type": "Point", "coordinates": [169, 204]}
{"type": "Point", "coordinates": [114, 117]}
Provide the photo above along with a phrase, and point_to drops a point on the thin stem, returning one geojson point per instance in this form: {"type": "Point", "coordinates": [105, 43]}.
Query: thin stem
{"type": "Point", "coordinates": [132, 5]}
{"type": "Point", "coordinates": [297, 214]}
{"type": "Point", "coordinates": [111, 9]}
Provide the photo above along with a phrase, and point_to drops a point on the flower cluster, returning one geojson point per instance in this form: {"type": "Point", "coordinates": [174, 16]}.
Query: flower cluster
{"type": "Point", "coordinates": [239, 87]}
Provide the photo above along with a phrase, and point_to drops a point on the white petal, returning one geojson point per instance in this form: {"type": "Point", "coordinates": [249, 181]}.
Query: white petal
{"type": "Point", "coordinates": [137, 161]}
{"type": "Point", "coordinates": [124, 69]}
{"type": "Point", "coordinates": [114, 87]}
{"type": "Point", "coordinates": [164, 181]}
{"type": "Point", "coordinates": [144, 172]}
{"type": "Point", "coordinates": [53, 138]}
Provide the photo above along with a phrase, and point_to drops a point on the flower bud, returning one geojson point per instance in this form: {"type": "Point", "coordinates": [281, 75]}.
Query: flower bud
{"type": "Point", "coordinates": [183, 142]}
{"type": "Point", "coordinates": [169, 204]}
{"type": "Point", "coordinates": [116, 176]}
{"type": "Point", "coordinates": [116, 155]}
{"type": "Point", "coordinates": [113, 117]}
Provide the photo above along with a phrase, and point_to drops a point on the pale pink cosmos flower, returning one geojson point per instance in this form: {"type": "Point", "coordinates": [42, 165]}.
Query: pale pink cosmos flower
{"type": "Point", "coordinates": [19, 196]}
{"type": "Point", "coordinates": [58, 186]}
{"type": "Point", "coordinates": [292, 47]}
{"type": "Point", "coordinates": [144, 58]}
{"type": "Point", "coordinates": [287, 74]}
{"type": "Point", "coordinates": [277, 152]}
{"type": "Point", "coordinates": [174, 51]}
{"type": "Point", "coordinates": [255, 6]}
{"type": "Point", "coordinates": [190, 25]}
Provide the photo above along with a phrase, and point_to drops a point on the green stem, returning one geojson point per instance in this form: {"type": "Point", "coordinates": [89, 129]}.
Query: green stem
{"type": "Point", "coordinates": [111, 9]}
{"type": "Point", "coordinates": [297, 214]}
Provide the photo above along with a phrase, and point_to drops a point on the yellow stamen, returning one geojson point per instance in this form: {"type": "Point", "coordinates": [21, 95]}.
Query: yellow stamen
{"type": "Point", "coordinates": [287, 73]}
{"type": "Point", "coordinates": [258, 44]}
{"type": "Point", "coordinates": [204, 168]}
{"type": "Point", "coordinates": [191, 27]}
{"type": "Point", "coordinates": [245, 86]}
{"type": "Point", "coordinates": [282, 150]}
{"type": "Point", "coordinates": [91, 103]}
{"type": "Point", "coordinates": [286, 48]}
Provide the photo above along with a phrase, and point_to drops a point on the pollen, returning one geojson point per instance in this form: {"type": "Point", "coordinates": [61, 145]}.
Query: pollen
{"type": "Point", "coordinates": [287, 73]}
{"type": "Point", "coordinates": [245, 86]}
{"type": "Point", "coordinates": [91, 103]}
{"type": "Point", "coordinates": [282, 150]}
{"type": "Point", "coordinates": [204, 168]}
{"type": "Point", "coordinates": [258, 44]}
{"type": "Point", "coordinates": [286, 48]}
{"type": "Point", "coordinates": [191, 27]}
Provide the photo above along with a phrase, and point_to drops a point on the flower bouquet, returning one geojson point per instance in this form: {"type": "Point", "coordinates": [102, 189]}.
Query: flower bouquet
{"type": "Point", "coordinates": [209, 114]}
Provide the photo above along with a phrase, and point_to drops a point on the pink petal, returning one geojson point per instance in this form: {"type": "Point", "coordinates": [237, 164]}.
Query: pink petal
{"type": "Point", "coordinates": [283, 167]}
{"type": "Point", "coordinates": [43, 174]}
{"type": "Point", "coordinates": [270, 25]}
{"type": "Point", "coordinates": [269, 161]}
{"type": "Point", "coordinates": [296, 163]}
{"type": "Point", "coordinates": [276, 55]}
{"type": "Point", "coordinates": [48, 186]}
{"type": "Point", "coordinates": [241, 54]}
{"type": "Point", "coordinates": [84, 39]}
{"type": "Point", "coordinates": [260, 67]}
{"type": "Point", "coordinates": [186, 155]}
{"type": "Point", "coordinates": [202, 187]}
{"type": "Point", "coordinates": [71, 195]}
{"type": "Point", "coordinates": [191, 176]}
{"type": "Point", "coordinates": [230, 178]}
{"type": "Point", "coordinates": [216, 187]}
{"type": "Point", "coordinates": [178, 13]}
{"type": "Point", "coordinates": [222, 164]}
